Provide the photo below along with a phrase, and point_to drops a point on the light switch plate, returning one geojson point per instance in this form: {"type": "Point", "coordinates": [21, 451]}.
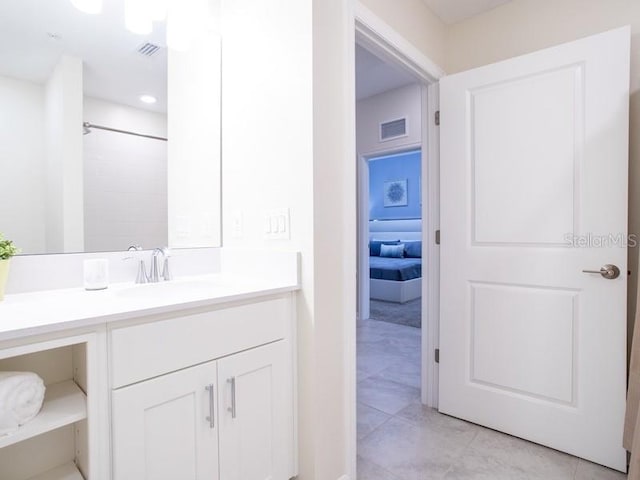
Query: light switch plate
{"type": "Point", "coordinates": [237, 224]}
{"type": "Point", "coordinates": [277, 224]}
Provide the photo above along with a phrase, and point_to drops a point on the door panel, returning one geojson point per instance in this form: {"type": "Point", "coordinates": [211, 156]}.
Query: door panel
{"type": "Point", "coordinates": [534, 159]}
{"type": "Point", "coordinates": [161, 430]}
{"type": "Point", "coordinates": [531, 321]}
{"type": "Point", "coordinates": [254, 426]}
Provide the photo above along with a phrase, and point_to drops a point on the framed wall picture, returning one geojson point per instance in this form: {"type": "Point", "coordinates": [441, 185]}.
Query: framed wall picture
{"type": "Point", "coordinates": [395, 193]}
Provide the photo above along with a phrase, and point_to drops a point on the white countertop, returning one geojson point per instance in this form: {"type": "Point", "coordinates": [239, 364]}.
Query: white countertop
{"type": "Point", "coordinates": [49, 311]}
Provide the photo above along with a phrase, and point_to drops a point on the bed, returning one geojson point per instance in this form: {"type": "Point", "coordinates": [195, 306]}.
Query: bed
{"type": "Point", "coordinates": [396, 269]}
{"type": "Point", "coordinates": [395, 278]}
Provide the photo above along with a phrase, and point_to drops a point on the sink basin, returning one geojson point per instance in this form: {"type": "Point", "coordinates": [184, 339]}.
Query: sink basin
{"type": "Point", "coordinates": [177, 288]}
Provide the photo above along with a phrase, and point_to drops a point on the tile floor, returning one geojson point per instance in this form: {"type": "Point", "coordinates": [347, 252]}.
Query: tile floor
{"type": "Point", "coordinates": [400, 439]}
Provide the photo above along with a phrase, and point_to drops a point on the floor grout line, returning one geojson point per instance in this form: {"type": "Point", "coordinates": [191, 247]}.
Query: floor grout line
{"type": "Point", "coordinates": [376, 428]}
{"type": "Point", "coordinates": [373, 408]}
{"type": "Point", "coordinates": [378, 377]}
{"type": "Point", "coordinates": [575, 472]}
{"type": "Point", "coordinates": [382, 468]}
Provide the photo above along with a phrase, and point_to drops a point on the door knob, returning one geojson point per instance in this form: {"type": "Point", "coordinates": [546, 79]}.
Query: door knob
{"type": "Point", "coordinates": [609, 271]}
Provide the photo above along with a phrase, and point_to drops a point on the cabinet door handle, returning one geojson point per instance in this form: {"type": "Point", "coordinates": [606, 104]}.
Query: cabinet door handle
{"type": "Point", "coordinates": [211, 417]}
{"type": "Point", "coordinates": [232, 408]}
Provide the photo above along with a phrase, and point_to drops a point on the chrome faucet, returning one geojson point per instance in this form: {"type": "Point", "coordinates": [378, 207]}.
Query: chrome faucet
{"type": "Point", "coordinates": [141, 276]}
{"type": "Point", "coordinates": [154, 276]}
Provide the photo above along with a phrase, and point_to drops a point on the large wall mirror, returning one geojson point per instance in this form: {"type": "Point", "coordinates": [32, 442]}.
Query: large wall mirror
{"type": "Point", "coordinates": [109, 124]}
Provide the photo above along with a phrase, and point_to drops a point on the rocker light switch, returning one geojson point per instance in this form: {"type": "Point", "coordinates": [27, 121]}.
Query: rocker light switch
{"type": "Point", "coordinates": [277, 224]}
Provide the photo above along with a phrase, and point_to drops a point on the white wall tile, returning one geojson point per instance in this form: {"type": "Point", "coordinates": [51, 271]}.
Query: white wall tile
{"type": "Point", "coordinates": [125, 179]}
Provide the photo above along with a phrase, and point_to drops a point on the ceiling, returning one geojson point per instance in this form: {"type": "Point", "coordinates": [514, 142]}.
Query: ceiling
{"type": "Point", "coordinates": [374, 76]}
{"type": "Point", "coordinates": [452, 11]}
{"type": "Point", "coordinates": [35, 33]}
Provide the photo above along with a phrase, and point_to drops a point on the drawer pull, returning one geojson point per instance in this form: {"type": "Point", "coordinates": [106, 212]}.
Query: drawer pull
{"type": "Point", "coordinates": [211, 417]}
{"type": "Point", "coordinates": [232, 408]}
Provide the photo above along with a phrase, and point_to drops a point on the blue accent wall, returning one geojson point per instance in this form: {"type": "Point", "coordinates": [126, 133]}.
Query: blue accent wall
{"type": "Point", "coordinates": [395, 167]}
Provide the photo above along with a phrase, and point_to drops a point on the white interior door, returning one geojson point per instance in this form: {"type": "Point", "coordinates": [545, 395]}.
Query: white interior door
{"type": "Point", "coordinates": [534, 158]}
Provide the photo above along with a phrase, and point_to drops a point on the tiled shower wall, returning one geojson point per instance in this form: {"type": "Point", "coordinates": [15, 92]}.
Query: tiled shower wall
{"type": "Point", "coordinates": [125, 182]}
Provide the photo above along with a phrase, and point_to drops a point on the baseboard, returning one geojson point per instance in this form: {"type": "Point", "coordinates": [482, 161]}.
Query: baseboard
{"type": "Point", "coordinates": [345, 477]}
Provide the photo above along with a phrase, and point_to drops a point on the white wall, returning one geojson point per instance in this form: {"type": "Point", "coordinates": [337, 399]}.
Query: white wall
{"type": "Point", "coordinates": [334, 216]}
{"type": "Point", "coordinates": [416, 23]}
{"type": "Point", "coordinates": [63, 144]}
{"type": "Point", "coordinates": [403, 102]}
{"type": "Point", "coordinates": [22, 164]}
{"type": "Point", "coordinates": [125, 179]}
{"type": "Point", "coordinates": [523, 26]}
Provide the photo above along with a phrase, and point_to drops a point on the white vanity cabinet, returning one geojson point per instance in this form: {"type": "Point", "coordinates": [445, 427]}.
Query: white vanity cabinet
{"type": "Point", "coordinates": [156, 382]}
{"type": "Point", "coordinates": [206, 396]}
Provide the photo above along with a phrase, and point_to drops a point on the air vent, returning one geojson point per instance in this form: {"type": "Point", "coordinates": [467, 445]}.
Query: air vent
{"type": "Point", "coordinates": [393, 129]}
{"type": "Point", "coordinates": [148, 49]}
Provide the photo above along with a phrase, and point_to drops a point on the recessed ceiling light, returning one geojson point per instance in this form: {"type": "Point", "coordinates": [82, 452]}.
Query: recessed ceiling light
{"type": "Point", "coordinates": [91, 7]}
{"type": "Point", "coordinates": [148, 99]}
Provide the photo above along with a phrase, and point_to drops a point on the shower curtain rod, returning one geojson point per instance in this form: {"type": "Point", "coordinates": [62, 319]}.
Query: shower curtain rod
{"type": "Point", "coordinates": [89, 125]}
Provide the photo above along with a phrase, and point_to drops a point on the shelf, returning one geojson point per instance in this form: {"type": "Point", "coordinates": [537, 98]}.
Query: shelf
{"type": "Point", "coordinates": [68, 471]}
{"type": "Point", "coordinates": [64, 404]}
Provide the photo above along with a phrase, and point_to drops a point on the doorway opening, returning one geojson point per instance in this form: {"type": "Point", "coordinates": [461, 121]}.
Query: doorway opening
{"type": "Point", "coordinates": [390, 116]}
{"type": "Point", "coordinates": [391, 52]}
{"type": "Point", "coordinates": [395, 235]}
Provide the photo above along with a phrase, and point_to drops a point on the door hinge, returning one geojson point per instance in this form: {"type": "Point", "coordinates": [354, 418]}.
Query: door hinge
{"type": "Point", "coordinates": [437, 355]}
{"type": "Point", "coordinates": [437, 237]}
{"type": "Point", "coordinates": [437, 117]}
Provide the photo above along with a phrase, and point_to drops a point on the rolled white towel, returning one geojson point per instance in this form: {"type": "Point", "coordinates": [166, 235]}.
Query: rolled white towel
{"type": "Point", "coordinates": [21, 397]}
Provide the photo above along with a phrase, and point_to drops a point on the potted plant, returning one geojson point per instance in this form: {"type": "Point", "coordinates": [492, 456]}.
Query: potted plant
{"type": "Point", "coordinates": [7, 250]}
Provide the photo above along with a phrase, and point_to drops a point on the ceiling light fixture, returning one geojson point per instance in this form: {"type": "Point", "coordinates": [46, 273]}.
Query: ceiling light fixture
{"type": "Point", "coordinates": [137, 17]}
{"type": "Point", "coordinates": [92, 7]}
{"type": "Point", "coordinates": [148, 99]}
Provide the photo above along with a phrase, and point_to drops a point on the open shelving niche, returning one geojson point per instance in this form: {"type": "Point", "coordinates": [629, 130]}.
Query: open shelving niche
{"type": "Point", "coordinates": [54, 445]}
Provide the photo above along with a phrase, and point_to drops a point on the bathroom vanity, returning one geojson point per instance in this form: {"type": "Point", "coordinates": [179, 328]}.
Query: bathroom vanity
{"type": "Point", "coordinates": [191, 379]}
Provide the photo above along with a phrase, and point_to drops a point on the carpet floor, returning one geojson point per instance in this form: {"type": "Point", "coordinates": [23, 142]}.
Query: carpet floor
{"type": "Point", "coordinates": [409, 313]}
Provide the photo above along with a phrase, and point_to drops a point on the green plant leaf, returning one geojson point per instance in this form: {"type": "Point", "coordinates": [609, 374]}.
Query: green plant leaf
{"type": "Point", "coordinates": [7, 248]}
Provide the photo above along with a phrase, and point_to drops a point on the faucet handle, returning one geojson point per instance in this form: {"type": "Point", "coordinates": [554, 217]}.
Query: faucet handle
{"type": "Point", "coordinates": [141, 276]}
{"type": "Point", "coordinates": [166, 273]}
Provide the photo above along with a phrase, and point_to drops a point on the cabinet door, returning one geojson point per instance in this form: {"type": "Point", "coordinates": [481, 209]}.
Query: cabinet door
{"type": "Point", "coordinates": [256, 429]}
{"type": "Point", "coordinates": [161, 429]}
